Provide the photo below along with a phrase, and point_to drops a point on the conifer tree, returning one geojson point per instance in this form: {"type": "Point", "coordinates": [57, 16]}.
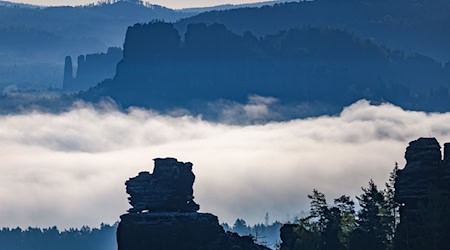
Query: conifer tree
{"type": "Point", "coordinates": [371, 233]}
{"type": "Point", "coordinates": [391, 215]}
{"type": "Point", "coordinates": [348, 221]}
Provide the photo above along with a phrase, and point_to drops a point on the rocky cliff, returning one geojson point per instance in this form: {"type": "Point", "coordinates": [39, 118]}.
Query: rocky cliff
{"type": "Point", "coordinates": [164, 215]}
{"type": "Point", "coordinates": [422, 189]}
{"type": "Point", "coordinates": [91, 69]}
{"type": "Point", "coordinates": [289, 236]}
{"type": "Point", "coordinates": [163, 69]}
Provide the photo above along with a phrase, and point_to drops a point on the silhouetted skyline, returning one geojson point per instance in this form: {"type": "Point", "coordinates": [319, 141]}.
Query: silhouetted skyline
{"type": "Point", "coordinates": [175, 4]}
{"type": "Point", "coordinates": [268, 102]}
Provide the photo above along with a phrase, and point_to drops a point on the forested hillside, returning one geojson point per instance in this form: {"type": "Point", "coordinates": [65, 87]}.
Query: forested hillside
{"type": "Point", "coordinates": [321, 65]}
{"type": "Point", "coordinates": [412, 25]}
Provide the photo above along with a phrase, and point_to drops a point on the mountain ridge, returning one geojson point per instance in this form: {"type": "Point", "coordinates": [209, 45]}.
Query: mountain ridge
{"type": "Point", "coordinates": [413, 26]}
{"type": "Point", "coordinates": [298, 65]}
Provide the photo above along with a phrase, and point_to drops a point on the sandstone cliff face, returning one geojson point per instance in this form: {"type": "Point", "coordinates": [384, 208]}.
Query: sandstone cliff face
{"type": "Point", "coordinates": [164, 215]}
{"type": "Point", "coordinates": [165, 69]}
{"type": "Point", "coordinates": [91, 69]}
{"type": "Point", "coordinates": [168, 189]}
{"type": "Point", "coordinates": [423, 190]}
{"type": "Point", "coordinates": [424, 169]}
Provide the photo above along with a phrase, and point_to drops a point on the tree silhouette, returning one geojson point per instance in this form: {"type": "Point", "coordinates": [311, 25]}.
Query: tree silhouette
{"type": "Point", "coordinates": [392, 214]}
{"type": "Point", "coordinates": [371, 233]}
{"type": "Point", "coordinates": [348, 221]}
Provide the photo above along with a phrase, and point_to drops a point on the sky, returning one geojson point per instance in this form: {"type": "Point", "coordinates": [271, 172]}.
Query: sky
{"type": "Point", "coordinates": [174, 4]}
{"type": "Point", "coordinates": [69, 169]}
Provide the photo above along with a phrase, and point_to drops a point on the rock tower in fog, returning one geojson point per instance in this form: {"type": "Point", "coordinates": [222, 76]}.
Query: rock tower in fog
{"type": "Point", "coordinates": [423, 190]}
{"type": "Point", "coordinates": [164, 214]}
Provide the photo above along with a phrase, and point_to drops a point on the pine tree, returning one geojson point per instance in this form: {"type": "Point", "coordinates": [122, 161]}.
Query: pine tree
{"type": "Point", "coordinates": [391, 216]}
{"type": "Point", "coordinates": [326, 222]}
{"type": "Point", "coordinates": [318, 209]}
{"type": "Point", "coordinates": [330, 235]}
{"type": "Point", "coordinates": [348, 221]}
{"type": "Point", "coordinates": [371, 233]}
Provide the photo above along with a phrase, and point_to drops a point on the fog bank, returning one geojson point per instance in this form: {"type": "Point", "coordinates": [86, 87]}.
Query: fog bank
{"type": "Point", "coordinates": [69, 169]}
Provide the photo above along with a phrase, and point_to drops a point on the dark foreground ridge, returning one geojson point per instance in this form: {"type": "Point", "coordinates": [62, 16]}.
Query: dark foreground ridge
{"type": "Point", "coordinates": [164, 214]}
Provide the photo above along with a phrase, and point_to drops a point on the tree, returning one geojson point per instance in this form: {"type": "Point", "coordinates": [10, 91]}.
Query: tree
{"type": "Point", "coordinates": [266, 219]}
{"type": "Point", "coordinates": [330, 235]}
{"type": "Point", "coordinates": [240, 227]}
{"type": "Point", "coordinates": [325, 222]}
{"type": "Point", "coordinates": [371, 233]}
{"type": "Point", "coordinates": [392, 214]}
{"type": "Point", "coordinates": [138, 2]}
{"type": "Point", "coordinates": [348, 221]}
{"type": "Point", "coordinates": [318, 209]}
{"type": "Point", "coordinates": [308, 236]}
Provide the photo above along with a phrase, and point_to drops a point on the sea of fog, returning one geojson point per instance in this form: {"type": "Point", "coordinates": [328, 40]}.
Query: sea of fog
{"type": "Point", "coordinates": [69, 169]}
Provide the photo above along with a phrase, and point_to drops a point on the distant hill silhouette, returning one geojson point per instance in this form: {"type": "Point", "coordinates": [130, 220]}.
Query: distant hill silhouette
{"type": "Point", "coordinates": [161, 70]}
{"type": "Point", "coordinates": [21, 5]}
{"type": "Point", "coordinates": [35, 40]}
{"type": "Point", "coordinates": [412, 25]}
{"type": "Point", "coordinates": [235, 6]}
{"type": "Point", "coordinates": [104, 24]}
{"type": "Point", "coordinates": [51, 238]}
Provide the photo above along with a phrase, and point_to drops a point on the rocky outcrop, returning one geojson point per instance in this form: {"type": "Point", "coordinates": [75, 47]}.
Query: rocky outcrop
{"type": "Point", "coordinates": [168, 189]}
{"type": "Point", "coordinates": [424, 167]}
{"type": "Point", "coordinates": [422, 189]}
{"type": "Point", "coordinates": [68, 71]}
{"type": "Point", "coordinates": [91, 69]}
{"type": "Point", "coordinates": [164, 215]}
{"type": "Point", "coordinates": [288, 236]}
{"type": "Point", "coordinates": [164, 69]}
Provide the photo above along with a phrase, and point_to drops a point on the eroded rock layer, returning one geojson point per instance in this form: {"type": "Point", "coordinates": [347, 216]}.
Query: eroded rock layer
{"type": "Point", "coordinates": [167, 189]}
{"type": "Point", "coordinates": [164, 215]}
{"type": "Point", "coordinates": [423, 190]}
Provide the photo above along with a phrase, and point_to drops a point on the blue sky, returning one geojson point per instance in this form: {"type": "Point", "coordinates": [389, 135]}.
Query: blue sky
{"type": "Point", "coordinates": [168, 3]}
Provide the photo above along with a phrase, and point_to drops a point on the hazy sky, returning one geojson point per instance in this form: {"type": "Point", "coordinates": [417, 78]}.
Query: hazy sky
{"type": "Point", "coordinates": [168, 3]}
{"type": "Point", "coordinates": [69, 169]}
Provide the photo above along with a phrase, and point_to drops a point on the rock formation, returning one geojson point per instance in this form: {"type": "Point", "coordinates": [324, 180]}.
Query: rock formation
{"type": "Point", "coordinates": [165, 69]}
{"type": "Point", "coordinates": [288, 236]}
{"type": "Point", "coordinates": [68, 72]}
{"type": "Point", "coordinates": [91, 69]}
{"type": "Point", "coordinates": [168, 189]}
{"type": "Point", "coordinates": [423, 190]}
{"type": "Point", "coordinates": [164, 215]}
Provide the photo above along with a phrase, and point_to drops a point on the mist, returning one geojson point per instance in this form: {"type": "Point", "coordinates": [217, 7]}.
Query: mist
{"type": "Point", "coordinates": [69, 169]}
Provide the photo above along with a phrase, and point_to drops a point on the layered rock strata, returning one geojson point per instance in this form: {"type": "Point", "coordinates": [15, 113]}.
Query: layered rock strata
{"type": "Point", "coordinates": [422, 189]}
{"type": "Point", "coordinates": [164, 214]}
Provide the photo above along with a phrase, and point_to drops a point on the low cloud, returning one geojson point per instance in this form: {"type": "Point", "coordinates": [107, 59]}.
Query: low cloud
{"type": "Point", "coordinates": [69, 169]}
{"type": "Point", "coordinates": [258, 109]}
